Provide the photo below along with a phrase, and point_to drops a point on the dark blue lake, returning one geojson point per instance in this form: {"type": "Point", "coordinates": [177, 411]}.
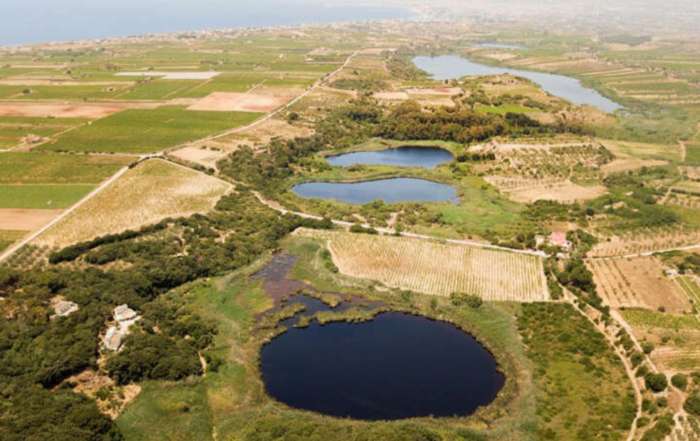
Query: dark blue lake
{"type": "Point", "coordinates": [447, 67]}
{"type": "Point", "coordinates": [393, 367]}
{"type": "Point", "coordinates": [425, 157]}
{"type": "Point", "coordinates": [388, 190]}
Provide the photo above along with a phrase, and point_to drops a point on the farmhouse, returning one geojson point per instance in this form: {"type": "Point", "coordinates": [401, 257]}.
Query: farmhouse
{"type": "Point", "coordinates": [125, 317]}
{"type": "Point", "coordinates": [62, 307]}
{"type": "Point", "coordinates": [558, 238]}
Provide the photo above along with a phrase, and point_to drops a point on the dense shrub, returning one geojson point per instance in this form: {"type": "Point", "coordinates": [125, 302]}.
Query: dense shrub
{"type": "Point", "coordinates": [153, 356]}
{"type": "Point", "coordinates": [656, 382]}
{"type": "Point", "coordinates": [679, 381]}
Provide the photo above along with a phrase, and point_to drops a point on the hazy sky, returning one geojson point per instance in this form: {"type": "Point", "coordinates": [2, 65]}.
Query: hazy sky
{"type": "Point", "coordinates": [26, 21]}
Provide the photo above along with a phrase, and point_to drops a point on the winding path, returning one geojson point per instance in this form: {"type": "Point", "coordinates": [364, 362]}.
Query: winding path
{"type": "Point", "coordinates": [571, 299]}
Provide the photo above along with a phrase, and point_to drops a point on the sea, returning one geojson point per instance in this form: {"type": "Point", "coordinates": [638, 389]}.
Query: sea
{"type": "Point", "coordinates": [39, 21]}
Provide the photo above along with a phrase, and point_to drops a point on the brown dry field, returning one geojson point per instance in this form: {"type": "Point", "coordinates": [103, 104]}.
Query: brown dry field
{"type": "Point", "coordinates": [261, 134]}
{"type": "Point", "coordinates": [241, 102]}
{"type": "Point", "coordinates": [630, 164]}
{"type": "Point", "coordinates": [391, 96]}
{"type": "Point", "coordinates": [208, 153]}
{"type": "Point", "coordinates": [26, 219]}
{"type": "Point", "coordinates": [645, 242]}
{"type": "Point", "coordinates": [58, 82]}
{"type": "Point", "coordinates": [146, 194]}
{"type": "Point", "coordinates": [441, 91]}
{"type": "Point", "coordinates": [62, 110]}
{"type": "Point", "coordinates": [199, 155]}
{"type": "Point", "coordinates": [531, 190]}
{"type": "Point", "coordinates": [499, 56]}
{"type": "Point", "coordinates": [436, 268]}
{"type": "Point", "coordinates": [637, 283]}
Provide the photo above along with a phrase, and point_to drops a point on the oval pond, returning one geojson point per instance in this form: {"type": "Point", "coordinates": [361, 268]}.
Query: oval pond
{"type": "Point", "coordinates": [447, 67]}
{"type": "Point", "coordinates": [395, 366]}
{"type": "Point", "coordinates": [425, 157]}
{"type": "Point", "coordinates": [388, 190]}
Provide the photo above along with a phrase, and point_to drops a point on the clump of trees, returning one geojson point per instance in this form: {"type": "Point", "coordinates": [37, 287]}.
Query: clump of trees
{"type": "Point", "coordinates": [656, 382]}
{"type": "Point", "coordinates": [461, 298]}
{"type": "Point", "coordinates": [154, 356]}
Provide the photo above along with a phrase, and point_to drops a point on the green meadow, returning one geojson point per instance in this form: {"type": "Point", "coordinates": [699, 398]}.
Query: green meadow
{"type": "Point", "coordinates": [42, 196]}
{"type": "Point", "coordinates": [54, 168]}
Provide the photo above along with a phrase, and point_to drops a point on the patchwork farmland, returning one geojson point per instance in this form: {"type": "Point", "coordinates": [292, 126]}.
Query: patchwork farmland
{"type": "Point", "coordinates": [146, 194]}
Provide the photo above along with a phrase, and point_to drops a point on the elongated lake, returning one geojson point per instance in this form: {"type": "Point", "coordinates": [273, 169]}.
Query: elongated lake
{"type": "Point", "coordinates": [393, 367]}
{"type": "Point", "coordinates": [388, 190]}
{"type": "Point", "coordinates": [425, 157]}
{"type": "Point", "coordinates": [447, 67]}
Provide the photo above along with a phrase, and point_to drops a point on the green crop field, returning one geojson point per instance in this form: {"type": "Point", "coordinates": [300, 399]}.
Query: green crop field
{"type": "Point", "coordinates": [13, 129]}
{"type": "Point", "coordinates": [144, 131]}
{"type": "Point", "coordinates": [42, 196]}
{"type": "Point", "coordinates": [640, 317]}
{"type": "Point", "coordinates": [693, 154]}
{"type": "Point", "coordinates": [159, 89]}
{"type": "Point", "coordinates": [78, 92]}
{"type": "Point", "coordinates": [54, 168]}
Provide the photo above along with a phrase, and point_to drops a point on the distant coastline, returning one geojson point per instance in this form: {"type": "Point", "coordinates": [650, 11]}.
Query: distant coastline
{"type": "Point", "coordinates": [89, 24]}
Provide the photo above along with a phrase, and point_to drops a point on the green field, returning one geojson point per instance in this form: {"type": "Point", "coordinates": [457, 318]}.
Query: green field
{"type": "Point", "coordinates": [693, 154]}
{"type": "Point", "coordinates": [44, 196]}
{"type": "Point", "coordinates": [145, 131]}
{"type": "Point", "coordinates": [642, 317]}
{"type": "Point", "coordinates": [583, 391]}
{"type": "Point", "coordinates": [159, 89]}
{"type": "Point", "coordinates": [13, 129]}
{"type": "Point", "coordinates": [73, 92]}
{"type": "Point", "coordinates": [54, 168]}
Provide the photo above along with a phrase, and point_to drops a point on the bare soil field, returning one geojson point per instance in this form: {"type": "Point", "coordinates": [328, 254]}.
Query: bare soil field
{"type": "Point", "coordinates": [263, 133]}
{"type": "Point", "coordinates": [146, 194]}
{"type": "Point", "coordinates": [241, 102]}
{"type": "Point", "coordinates": [435, 268]}
{"type": "Point", "coordinates": [637, 283]}
{"type": "Point", "coordinates": [531, 190]}
{"type": "Point", "coordinates": [56, 82]}
{"type": "Point", "coordinates": [203, 155]}
{"type": "Point", "coordinates": [25, 219]}
{"type": "Point", "coordinates": [440, 91]}
{"type": "Point", "coordinates": [392, 96]}
{"type": "Point", "coordinates": [60, 110]}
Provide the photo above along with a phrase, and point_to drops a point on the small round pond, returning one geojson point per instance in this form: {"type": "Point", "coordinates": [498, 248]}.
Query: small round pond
{"type": "Point", "coordinates": [425, 157]}
{"type": "Point", "coordinates": [388, 190]}
{"type": "Point", "coordinates": [393, 367]}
